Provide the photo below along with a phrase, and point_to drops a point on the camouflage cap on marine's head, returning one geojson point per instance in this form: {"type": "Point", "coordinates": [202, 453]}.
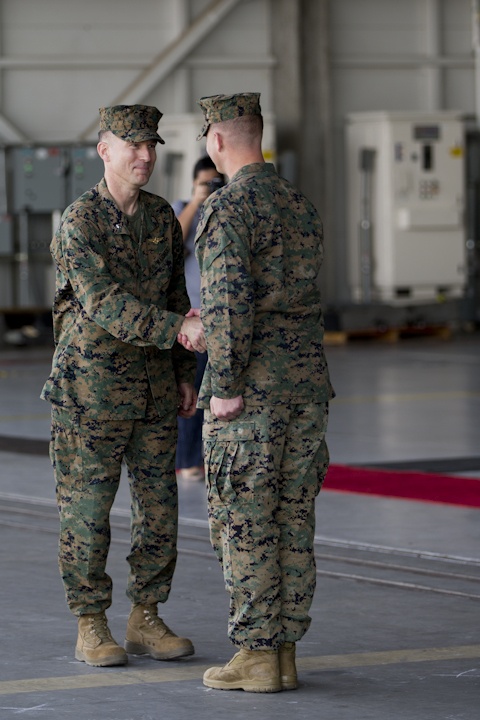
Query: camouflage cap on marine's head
{"type": "Point", "coordinates": [134, 123]}
{"type": "Point", "coordinates": [218, 108]}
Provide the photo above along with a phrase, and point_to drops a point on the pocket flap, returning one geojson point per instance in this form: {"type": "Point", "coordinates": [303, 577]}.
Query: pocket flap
{"type": "Point", "coordinates": [236, 432]}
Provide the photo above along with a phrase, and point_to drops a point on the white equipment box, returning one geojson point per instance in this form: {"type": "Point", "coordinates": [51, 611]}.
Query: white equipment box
{"type": "Point", "coordinates": [406, 197]}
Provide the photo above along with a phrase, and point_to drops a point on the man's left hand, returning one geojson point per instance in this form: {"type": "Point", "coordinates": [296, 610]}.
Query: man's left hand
{"type": "Point", "coordinates": [188, 400]}
{"type": "Point", "coordinates": [226, 408]}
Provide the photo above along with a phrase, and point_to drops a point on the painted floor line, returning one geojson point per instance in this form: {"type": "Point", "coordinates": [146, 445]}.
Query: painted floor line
{"type": "Point", "coordinates": [123, 676]}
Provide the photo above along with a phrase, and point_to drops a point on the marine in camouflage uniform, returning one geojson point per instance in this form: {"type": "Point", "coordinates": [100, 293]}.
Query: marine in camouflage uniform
{"type": "Point", "coordinates": [259, 247]}
{"type": "Point", "coordinates": [120, 302]}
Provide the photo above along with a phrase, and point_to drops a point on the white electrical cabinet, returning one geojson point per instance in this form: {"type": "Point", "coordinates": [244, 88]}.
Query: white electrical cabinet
{"type": "Point", "coordinates": [406, 197]}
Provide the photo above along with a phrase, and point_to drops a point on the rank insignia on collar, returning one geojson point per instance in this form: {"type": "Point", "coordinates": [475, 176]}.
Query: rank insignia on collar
{"type": "Point", "coordinates": [155, 240]}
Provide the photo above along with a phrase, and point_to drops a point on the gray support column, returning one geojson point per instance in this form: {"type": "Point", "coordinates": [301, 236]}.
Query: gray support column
{"type": "Point", "coordinates": [303, 109]}
{"type": "Point", "coordinates": [287, 85]}
{"type": "Point", "coordinates": [476, 50]}
{"type": "Point", "coordinates": [316, 131]}
{"type": "Point", "coordinates": [433, 97]}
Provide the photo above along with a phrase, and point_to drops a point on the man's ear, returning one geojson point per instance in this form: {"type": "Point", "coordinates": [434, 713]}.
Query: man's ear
{"type": "Point", "coordinates": [218, 140]}
{"type": "Point", "coordinates": [103, 150]}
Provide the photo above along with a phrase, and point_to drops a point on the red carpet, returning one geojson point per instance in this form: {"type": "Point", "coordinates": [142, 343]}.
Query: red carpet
{"type": "Point", "coordinates": [408, 485]}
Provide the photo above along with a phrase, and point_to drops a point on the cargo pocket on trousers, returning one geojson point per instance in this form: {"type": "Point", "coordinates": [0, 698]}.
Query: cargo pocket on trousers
{"type": "Point", "coordinates": [221, 453]}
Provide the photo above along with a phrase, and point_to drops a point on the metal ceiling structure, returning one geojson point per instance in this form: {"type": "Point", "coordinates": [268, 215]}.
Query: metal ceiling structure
{"type": "Point", "coordinates": [168, 59]}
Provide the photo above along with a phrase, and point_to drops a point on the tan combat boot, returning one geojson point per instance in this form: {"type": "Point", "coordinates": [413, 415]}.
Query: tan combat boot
{"type": "Point", "coordinates": [147, 634]}
{"type": "Point", "coordinates": [249, 670]}
{"type": "Point", "coordinates": [95, 644]}
{"type": "Point", "coordinates": [288, 670]}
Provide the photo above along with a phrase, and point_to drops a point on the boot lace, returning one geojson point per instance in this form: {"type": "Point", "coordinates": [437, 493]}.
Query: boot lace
{"type": "Point", "coordinates": [99, 627]}
{"type": "Point", "coordinates": [152, 619]}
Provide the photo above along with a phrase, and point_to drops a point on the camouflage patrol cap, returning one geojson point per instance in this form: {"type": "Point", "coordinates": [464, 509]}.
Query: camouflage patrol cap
{"type": "Point", "coordinates": [134, 123]}
{"type": "Point", "coordinates": [218, 108]}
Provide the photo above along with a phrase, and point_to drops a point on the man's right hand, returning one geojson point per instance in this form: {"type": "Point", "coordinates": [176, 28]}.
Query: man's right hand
{"type": "Point", "coordinates": [200, 193]}
{"type": "Point", "coordinates": [192, 335]}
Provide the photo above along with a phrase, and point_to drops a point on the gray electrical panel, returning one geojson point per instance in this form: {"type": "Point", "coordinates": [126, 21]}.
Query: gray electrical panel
{"type": "Point", "coordinates": [37, 183]}
{"type": "Point", "coordinates": [6, 235]}
{"type": "Point", "coordinates": [3, 182]}
{"type": "Point", "coordinates": [85, 170]}
{"type": "Point", "coordinates": [38, 178]}
{"type": "Point", "coordinates": [6, 283]}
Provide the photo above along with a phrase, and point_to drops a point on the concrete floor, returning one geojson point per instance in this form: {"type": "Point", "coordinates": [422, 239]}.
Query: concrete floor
{"type": "Point", "coordinates": [396, 617]}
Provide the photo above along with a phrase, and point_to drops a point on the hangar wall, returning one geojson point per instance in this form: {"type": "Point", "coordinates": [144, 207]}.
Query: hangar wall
{"type": "Point", "coordinates": [314, 62]}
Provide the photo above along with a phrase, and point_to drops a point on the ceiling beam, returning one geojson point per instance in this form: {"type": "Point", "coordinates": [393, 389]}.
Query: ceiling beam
{"type": "Point", "coordinates": [9, 134]}
{"type": "Point", "coordinates": [166, 61]}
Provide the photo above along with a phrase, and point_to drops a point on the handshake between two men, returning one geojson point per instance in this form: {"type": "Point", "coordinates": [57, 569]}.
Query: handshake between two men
{"type": "Point", "coordinates": [192, 335]}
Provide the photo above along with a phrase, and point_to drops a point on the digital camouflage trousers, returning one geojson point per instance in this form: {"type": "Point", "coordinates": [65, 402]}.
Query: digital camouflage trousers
{"type": "Point", "coordinates": [87, 457]}
{"type": "Point", "coordinates": [264, 471]}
